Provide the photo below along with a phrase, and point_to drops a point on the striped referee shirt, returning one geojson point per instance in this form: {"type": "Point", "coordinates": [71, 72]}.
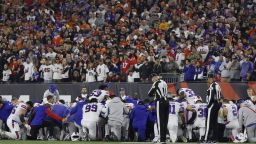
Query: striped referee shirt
{"type": "Point", "coordinates": [158, 90]}
{"type": "Point", "coordinates": [213, 93]}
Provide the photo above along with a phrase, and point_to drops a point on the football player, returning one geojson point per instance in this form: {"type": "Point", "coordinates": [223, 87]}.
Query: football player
{"type": "Point", "coordinates": [100, 93]}
{"type": "Point", "coordinates": [91, 114]}
{"type": "Point", "coordinates": [230, 111]}
{"type": "Point", "coordinates": [16, 120]}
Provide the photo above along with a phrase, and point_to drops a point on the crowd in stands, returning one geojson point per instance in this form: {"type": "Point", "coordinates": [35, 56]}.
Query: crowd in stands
{"type": "Point", "coordinates": [126, 40]}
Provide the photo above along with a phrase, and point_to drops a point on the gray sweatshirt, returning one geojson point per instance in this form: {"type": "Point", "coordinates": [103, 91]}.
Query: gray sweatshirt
{"type": "Point", "coordinates": [246, 115]}
{"type": "Point", "coordinates": [116, 110]}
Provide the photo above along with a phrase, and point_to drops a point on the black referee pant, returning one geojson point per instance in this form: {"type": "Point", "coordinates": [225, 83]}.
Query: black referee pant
{"type": "Point", "coordinates": [162, 115]}
{"type": "Point", "coordinates": [211, 128]}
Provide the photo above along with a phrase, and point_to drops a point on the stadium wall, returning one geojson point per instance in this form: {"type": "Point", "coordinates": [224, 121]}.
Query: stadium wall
{"type": "Point", "coordinates": [35, 91]}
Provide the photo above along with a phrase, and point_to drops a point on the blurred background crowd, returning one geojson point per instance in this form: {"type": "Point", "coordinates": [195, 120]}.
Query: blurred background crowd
{"type": "Point", "coordinates": [126, 40]}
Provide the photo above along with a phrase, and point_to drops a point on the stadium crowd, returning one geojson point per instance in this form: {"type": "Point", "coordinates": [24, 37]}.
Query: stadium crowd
{"type": "Point", "coordinates": [126, 40]}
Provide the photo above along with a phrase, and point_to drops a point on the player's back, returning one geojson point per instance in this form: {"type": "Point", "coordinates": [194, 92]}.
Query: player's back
{"type": "Point", "coordinates": [15, 114]}
{"type": "Point", "coordinates": [91, 111]}
{"type": "Point", "coordinates": [174, 108]}
{"type": "Point", "coordinates": [232, 112]}
{"type": "Point", "coordinates": [201, 109]}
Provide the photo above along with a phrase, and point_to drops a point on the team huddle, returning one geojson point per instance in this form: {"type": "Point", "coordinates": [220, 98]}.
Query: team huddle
{"type": "Point", "coordinates": [102, 115]}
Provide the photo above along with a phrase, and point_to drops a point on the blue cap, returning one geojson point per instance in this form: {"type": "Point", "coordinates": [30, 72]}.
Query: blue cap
{"type": "Point", "coordinates": [52, 88]}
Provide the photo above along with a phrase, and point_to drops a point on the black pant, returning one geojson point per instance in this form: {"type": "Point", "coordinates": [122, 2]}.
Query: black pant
{"type": "Point", "coordinates": [34, 132]}
{"type": "Point", "coordinates": [162, 115]}
{"type": "Point", "coordinates": [211, 128]}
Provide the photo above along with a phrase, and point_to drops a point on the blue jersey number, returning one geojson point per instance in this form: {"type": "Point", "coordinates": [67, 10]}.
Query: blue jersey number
{"type": "Point", "coordinates": [172, 109]}
{"type": "Point", "coordinates": [190, 92]}
{"type": "Point", "coordinates": [92, 108]}
{"type": "Point", "coordinates": [202, 112]}
{"type": "Point", "coordinates": [234, 110]}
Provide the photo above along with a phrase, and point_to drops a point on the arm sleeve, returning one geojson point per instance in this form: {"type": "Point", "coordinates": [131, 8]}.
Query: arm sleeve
{"type": "Point", "coordinates": [192, 119]}
{"type": "Point", "coordinates": [52, 115]}
{"type": "Point", "coordinates": [152, 90]}
{"type": "Point", "coordinates": [31, 117]}
{"type": "Point", "coordinates": [240, 117]}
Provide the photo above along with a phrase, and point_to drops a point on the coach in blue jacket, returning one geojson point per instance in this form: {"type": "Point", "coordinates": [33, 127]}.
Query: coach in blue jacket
{"type": "Point", "coordinates": [5, 111]}
{"type": "Point", "coordinates": [139, 116]}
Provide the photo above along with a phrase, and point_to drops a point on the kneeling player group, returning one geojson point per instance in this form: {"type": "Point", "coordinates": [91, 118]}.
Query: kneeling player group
{"type": "Point", "coordinates": [102, 115]}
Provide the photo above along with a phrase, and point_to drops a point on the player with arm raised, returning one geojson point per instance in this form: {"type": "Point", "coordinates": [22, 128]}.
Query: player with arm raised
{"type": "Point", "coordinates": [189, 94]}
{"type": "Point", "coordinates": [100, 93]}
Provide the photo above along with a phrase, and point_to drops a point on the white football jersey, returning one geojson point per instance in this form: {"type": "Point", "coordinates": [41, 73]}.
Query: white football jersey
{"type": "Point", "coordinates": [174, 108]}
{"type": "Point", "coordinates": [99, 94]}
{"type": "Point", "coordinates": [47, 71]}
{"type": "Point", "coordinates": [15, 112]}
{"type": "Point", "coordinates": [57, 71]}
{"type": "Point", "coordinates": [6, 75]}
{"type": "Point", "coordinates": [102, 71]}
{"type": "Point", "coordinates": [201, 109]}
{"type": "Point", "coordinates": [92, 111]}
{"type": "Point", "coordinates": [232, 112]}
{"type": "Point", "coordinates": [190, 94]}
{"type": "Point", "coordinates": [28, 68]}
{"type": "Point", "coordinates": [90, 75]}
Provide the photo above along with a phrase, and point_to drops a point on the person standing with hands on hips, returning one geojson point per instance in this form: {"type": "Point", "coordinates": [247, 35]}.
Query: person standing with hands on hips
{"type": "Point", "coordinates": [159, 91]}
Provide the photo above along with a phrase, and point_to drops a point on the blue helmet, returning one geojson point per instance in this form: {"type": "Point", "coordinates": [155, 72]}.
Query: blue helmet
{"type": "Point", "coordinates": [52, 88]}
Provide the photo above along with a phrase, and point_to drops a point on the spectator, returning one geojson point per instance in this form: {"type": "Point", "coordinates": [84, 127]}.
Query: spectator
{"type": "Point", "coordinates": [90, 74]}
{"type": "Point", "coordinates": [246, 69]}
{"type": "Point", "coordinates": [28, 69]}
{"type": "Point", "coordinates": [171, 66]}
{"type": "Point", "coordinates": [199, 72]}
{"type": "Point", "coordinates": [234, 69]}
{"type": "Point", "coordinates": [157, 68]}
{"type": "Point", "coordinates": [102, 71]}
{"type": "Point", "coordinates": [6, 74]}
{"type": "Point", "coordinates": [189, 71]}
{"type": "Point", "coordinates": [57, 70]}
{"type": "Point", "coordinates": [47, 71]}
{"type": "Point", "coordinates": [225, 70]}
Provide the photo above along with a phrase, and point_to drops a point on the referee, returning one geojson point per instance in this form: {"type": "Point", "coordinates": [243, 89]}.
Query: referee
{"type": "Point", "coordinates": [213, 101]}
{"type": "Point", "coordinates": [159, 91]}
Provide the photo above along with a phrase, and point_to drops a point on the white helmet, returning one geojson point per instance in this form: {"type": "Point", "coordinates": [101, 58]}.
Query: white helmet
{"type": "Point", "coordinates": [75, 136]}
{"type": "Point", "coordinates": [240, 138]}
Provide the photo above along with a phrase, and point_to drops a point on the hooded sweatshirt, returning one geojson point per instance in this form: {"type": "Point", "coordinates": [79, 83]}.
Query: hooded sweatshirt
{"type": "Point", "coordinates": [116, 109]}
{"type": "Point", "coordinates": [247, 115]}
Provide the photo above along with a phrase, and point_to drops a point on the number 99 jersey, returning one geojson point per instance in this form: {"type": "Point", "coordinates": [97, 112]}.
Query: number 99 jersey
{"type": "Point", "coordinates": [99, 94]}
{"type": "Point", "coordinates": [92, 111]}
{"type": "Point", "coordinates": [189, 93]}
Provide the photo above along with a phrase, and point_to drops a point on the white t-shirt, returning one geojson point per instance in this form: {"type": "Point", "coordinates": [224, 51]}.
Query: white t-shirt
{"type": "Point", "coordinates": [90, 75]}
{"type": "Point", "coordinates": [28, 68]}
{"type": "Point", "coordinates": [57, 71]}
{"type": "Point", "coordinates": [130, 78]}
{"type": "Point", "coordinates": [47, 71]}
{"type": "Point", "coordinates": [179, 58]}
{"type": "Point", "coordinates": [92, 111]}
{"type": "Point", "coordinates": [205, 49]}
{"type": "Point", "coordinates": [6, 75]}
{"type": "Point", "coordinates": [15, 114]}
{"type": "Point", "coordinates": [102, 71]}
{"type": "Point", "coordinates": [51, 55]}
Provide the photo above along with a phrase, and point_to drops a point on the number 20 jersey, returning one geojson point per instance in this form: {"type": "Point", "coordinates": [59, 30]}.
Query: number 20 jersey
{"type": "Point", "coordinates": [92, 111]}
